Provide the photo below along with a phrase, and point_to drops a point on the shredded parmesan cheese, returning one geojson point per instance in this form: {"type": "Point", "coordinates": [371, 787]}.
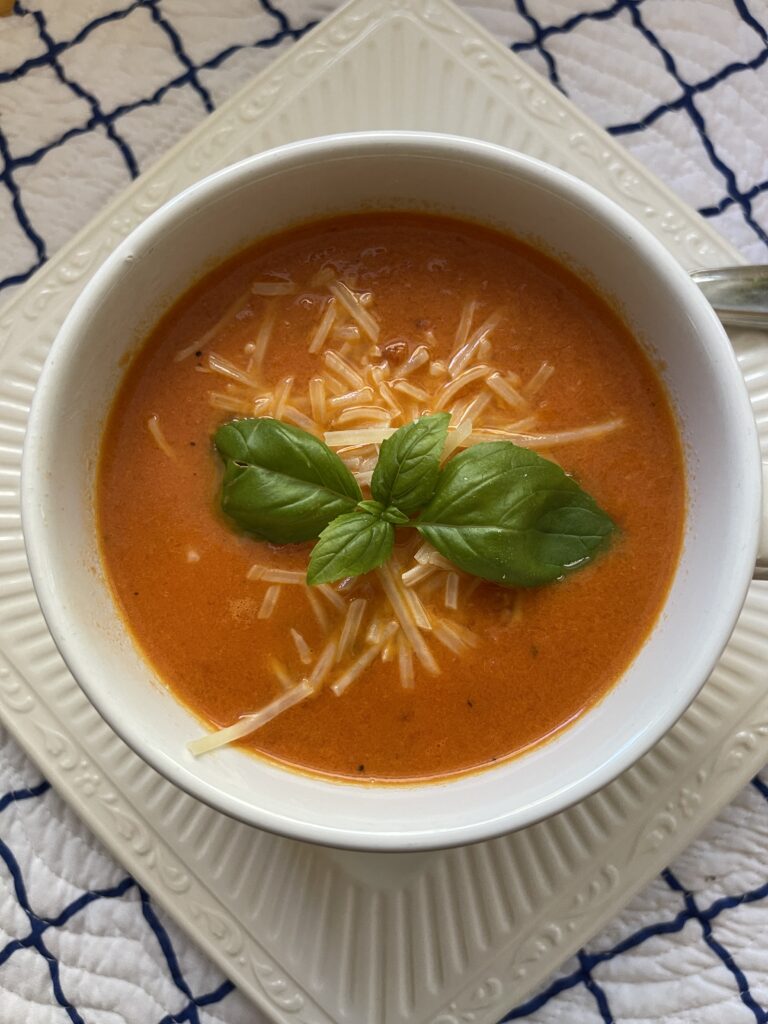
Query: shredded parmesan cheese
{"type": "Point", "coordinates": [417, 574]}
{"type": "Point", "coordinates": [229, 403]}
{"type": "Point", "coordinates": [473, 409]}
{"type": "Point", "coordinates": [317, 399]}
{"type": "Point", "coordinates": [374, 631]}
{"type": "Point", "coordinates": [302, 647]}
{"type": "Point", "coordinates": [506, 392]}
{"type": "Point", "coordinates": [346, 332]}
{"type": "Point", "coordinates": [273, 288]}
{"type": "Point", "coordinates": [355, 308]}
{"type": "Point", "coordinates": [351, 626]}
{"type": "Point", "coordinates": [419, 394]}
{"type": "Point", "coordinates": [405, 663]}
{"type": "Point", "coordinates": [324, 327]}
{"type": "Point", "coordinates": [426, 555]}
{"type": "Point", "coordinates": [332, 597]}
{"type": "Point", "coordinates": [396, 594]}
{"type": "Point", "coordinates": [269, 602]}
{"type": "Point", "coordinates": [262, 340]}
{"type": "Point", "coordinates": [153, 426]}
{"type": "Point", "coordinates": [386, 393]}
{"type": "Point", "coordinates": [364, 394]}
{"type": "Point", "coordinates": [344, 369]}
{"type": "Point", "coordinates": [417, 358]}
{"type": "Point", "coordinates": [466, 353]}
{"type": "Point", "coordinates": [539, 379]}
{"type": "Point", "coordinates": [456, 438]}
{"type": "Point", "coordinates": [449, 639]}
{"type": "Point", "coordinates": [279, 671]}
{"type": "Point", "coordinates": [363, 661]}
{"type": "Point", "coordinates": [452, 591]}
{"type": "Point", "coordinates": [268, 575]}
{"type": "Point", "coordinates": [369, 414]}
{"type": "Point", "coordinates": [292, 415]}
{"type": "Point", "coordinates": [357, 438]}
{"type": "Point", "coordinates": [229, 314]}
{"type": "Point", "coordinates": [320, 613]}
{"type": "Point", "coordinates": [420, 616]}
{"type": "Point", "coordinates": [452, 388]}
{"type": "Point", "coordinates": [588, 433]}
{"type": "Point", "coordinates": [226, 368]}
{"type": "Point", "coordinates": [465, 324]}
{"type": "Point", "coordinates": [322, 666]}
{"type": "Point", "coordinates": [282, 391]}
{"type": "Point", "coordinates": [250, 723]}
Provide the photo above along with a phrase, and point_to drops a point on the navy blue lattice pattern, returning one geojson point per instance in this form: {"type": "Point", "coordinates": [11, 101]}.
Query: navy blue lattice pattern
{"type": "Point", "coordinates": [554, 47]}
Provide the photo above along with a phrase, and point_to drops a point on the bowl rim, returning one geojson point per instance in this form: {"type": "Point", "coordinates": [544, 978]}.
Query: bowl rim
{"type": "Point", "coordinates": [647, 249]}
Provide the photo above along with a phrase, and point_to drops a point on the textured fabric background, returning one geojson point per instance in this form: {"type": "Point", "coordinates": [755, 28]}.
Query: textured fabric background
{"type": "Point", "coordinates": [92, 92]}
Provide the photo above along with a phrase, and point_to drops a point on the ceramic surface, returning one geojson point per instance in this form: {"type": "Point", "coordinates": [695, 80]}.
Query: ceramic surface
{"type": "Point", "coordinates": [316, 936]}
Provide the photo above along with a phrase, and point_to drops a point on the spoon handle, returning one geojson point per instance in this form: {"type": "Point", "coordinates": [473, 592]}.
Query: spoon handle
{"type": "Point", "coordinates": [739, 295]}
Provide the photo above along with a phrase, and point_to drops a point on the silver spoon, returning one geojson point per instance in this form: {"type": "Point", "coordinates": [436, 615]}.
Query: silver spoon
{"type": "Point", "coordinates": [739, 295]}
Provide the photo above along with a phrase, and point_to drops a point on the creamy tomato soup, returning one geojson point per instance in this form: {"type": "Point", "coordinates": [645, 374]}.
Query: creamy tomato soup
{"type": "Point", "coordinates": [347, 328]}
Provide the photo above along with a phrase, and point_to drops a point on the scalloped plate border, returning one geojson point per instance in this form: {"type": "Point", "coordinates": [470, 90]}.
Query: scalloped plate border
{"type": "Point", "coordinates": [562, 879]}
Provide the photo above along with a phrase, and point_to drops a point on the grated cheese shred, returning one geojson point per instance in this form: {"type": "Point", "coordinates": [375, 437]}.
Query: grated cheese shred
{"type": "Point", "coordinates": [273, 288]}
{"type": "Point", "coordinates": [352, 620]}
{"type": "Point", "coordinates": [361, 663]}
{"type": "Point", "coordinates": [153, 426]}
{"type": "Point", "coordinates": [405, 663]}
{"type": "Point", "coordinates": [263, 337]}
{"type": "Point", "coordinates": [250, 723]}
{"type": "Point", "coordinates": [323, 666]}
{"type": "Point", "coordinates": [347, 298]}
{"type": "Point", "coordinates": [452, 591]}
{"type": "Point", "coordinates": [324, 327]}
{"type": "Point", "coordinates": [396, 594]}
{"type": "Point", "coordinates": [229, 314]}
{"type": "Point", "coordinates": [302, 647]}
{"type": "Point", "coordinates": [269, 603]}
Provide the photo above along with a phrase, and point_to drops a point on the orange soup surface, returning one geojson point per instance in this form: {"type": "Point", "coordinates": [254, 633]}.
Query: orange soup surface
{"type": "Point", "coordinates": [226, 621]}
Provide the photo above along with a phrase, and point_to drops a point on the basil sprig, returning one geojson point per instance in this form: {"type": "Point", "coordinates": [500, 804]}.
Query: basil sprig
{"type": "Point", "coordinates": [496, 510]}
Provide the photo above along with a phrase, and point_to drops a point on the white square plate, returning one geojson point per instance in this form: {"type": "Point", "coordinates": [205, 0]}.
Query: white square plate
{"type": "Point", "coordinates": [317, 936]}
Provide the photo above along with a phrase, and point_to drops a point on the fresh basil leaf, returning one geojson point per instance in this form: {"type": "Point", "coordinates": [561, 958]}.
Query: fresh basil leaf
{"type": "Point", "coordinates": [508, 515]}
{"type": "Point", "coordinates": [395, 516]}
{"type": "Point", "coordinates": [373, 508]}
{"type": "Point", "coordinates": [349, 546]}
{"type": "Point", "coordinates": [281, 483]}
{"type": "Point", "coordinates": [409, 463]}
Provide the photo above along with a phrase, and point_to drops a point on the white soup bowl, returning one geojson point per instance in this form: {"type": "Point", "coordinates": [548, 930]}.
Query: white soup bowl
{"type": "Point", "coordinates": [406, 171]}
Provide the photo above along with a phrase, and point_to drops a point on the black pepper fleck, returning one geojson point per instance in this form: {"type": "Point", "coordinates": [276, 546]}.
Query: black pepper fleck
{"type": "Point", "coordinates": [361, 767]}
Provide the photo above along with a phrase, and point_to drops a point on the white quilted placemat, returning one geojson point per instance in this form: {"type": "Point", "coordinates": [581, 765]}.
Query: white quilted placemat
{"type": "Point", "coordinates": [92, 92]}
